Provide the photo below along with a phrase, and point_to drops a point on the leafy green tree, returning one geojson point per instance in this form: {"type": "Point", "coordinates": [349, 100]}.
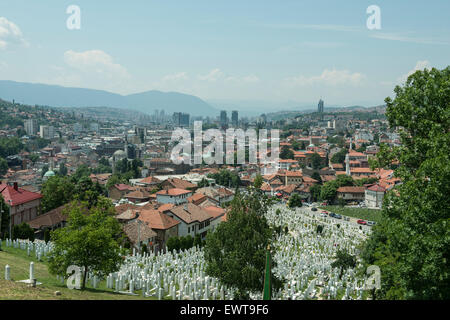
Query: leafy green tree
{"type": "Point", "coordinates": [4, 212]}
{"type": "Point", "coordinates": [295, 201]}
{"type": "Point", "coordinates": [316, 161]}
{"type": "Point", "coordinates": [316, 176]}
{"type": "Point", "coordinates": [258, 181]}
{"type": "Point", "coordinates": [339, 157]}
{"type": "Point", "coordinates": [411, 245]}
{"type": "Point", "coordinates": [197, 240]}
{"type": "Point", "coordinates": [235, 252]}
{"type": "Point", "coordinates": [3, 167]}
{"type": "Point", "coordinates": [22, 231]}
{"type": "Point", "coordinates": [62, 170]}
{"type": "Point", "coordinates": [315, 192]}
{"type": "Point", "coordinates": [296, 145]}
{"type": "Point", "coordinates": [33, 157]}
{"type": "Point", "coordinates": [343, 260]}
{"type": "Point", "coordinates": [44, 170]}
{"type": "Point", "coordinates": [56, 191]}
{"type": "Point", "coordinates": [286, 153]}
{"type": "Point", "coordinates": [203, 183]}
{"type": "Point", "coordinates": [90, 240]}
{"type": "Point", "coordinates": [173, 243]}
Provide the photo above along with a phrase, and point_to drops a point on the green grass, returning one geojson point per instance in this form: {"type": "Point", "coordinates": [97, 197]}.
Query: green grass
{"type": "Point", "coordinates": [19, 263]}
{"type": "Point", "coordinates": [360, 213]}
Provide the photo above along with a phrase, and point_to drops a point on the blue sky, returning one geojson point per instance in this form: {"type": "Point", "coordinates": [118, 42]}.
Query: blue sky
{"type": "Point", "coordinates": [235, 50]}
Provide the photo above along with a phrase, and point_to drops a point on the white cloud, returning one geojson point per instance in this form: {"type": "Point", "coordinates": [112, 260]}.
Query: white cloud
{"type": "Point", "coordinates": [10, 34]}
{"type": "Point", "coordinates": [328, 77]}
{"type": "Point", "coordinates": [212, 76]}
{"type": "Point", "coordinates": [420, 65]}
{"type": "Point", "coordinates": [180, 76]}
{"type": "Point", "coordinates": [404, 38]}
{"type": "Point", "coordinates": [97, 62]}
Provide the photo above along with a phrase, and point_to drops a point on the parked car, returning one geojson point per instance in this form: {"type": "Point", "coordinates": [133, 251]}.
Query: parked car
{"type": "Point", "coordinates": [332, 214]}
{"type": "Point", "coordinates": [361, 221]}
{"type": "Point", "coordinates": [338, 216]}
{"type": "Point", "coordinates": [323, 214]}
{"type": "Point", "coordinates": [323, 211]}
{"type": "Point", "coordinates": [313, 209]}
{"type": "Point", "coordinates": [371, 223]}
{"type": "Point", "coordinates": [323, 204]}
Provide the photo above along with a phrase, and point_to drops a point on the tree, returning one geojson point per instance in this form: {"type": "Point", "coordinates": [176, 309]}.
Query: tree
{"type": "Point", "coordinates": [90, 240]}
{"type": "Point", "coordinates": [411, 245]}
{"type": "Point", "coordinates": [203, 183]}
{"type": "Point", "coordinates": [315, 191]}
{"type": "Point", "coordinates": [316, 176]}
{"type": "Point", "coordinates": [173, 243]}
{"type": "Point", "coordinates": [62, 170]}
{"type": "Point", "coordinates": [44, 170]}
{"type": "Point", "coordinates": [22, 231]}
{"type": "Point", "coordinates": [339, 157]}
{"type": "Point", "coordinates": [4, 212]}
{"type": "Point", "coordinates": [286, 153]}
{"type": "Point", "coordinates": [3, 167]}
{"type": "Point", "coordinates": [57, 191]}
{"type": "Point", "coordinates": [296, 145]}
{"type": "Point", "coordinates": [343, 260]}
{"type": "Point", "coordinates": [295, 201]}
{"type": "Point", "coordinates": [316, 161]}
{"type": "Point", "coordinates": [235, 252]}
{"type": "Point", "coordinates": [258, 181]}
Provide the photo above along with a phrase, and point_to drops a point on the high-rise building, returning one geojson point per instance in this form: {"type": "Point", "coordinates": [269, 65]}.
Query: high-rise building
{"type": "Point", "coordinates": [223, 118]}
{"type": "Point", "coordinates": [31, 126]}
{"type": "Point", "coordinates": [180, 119]}
{"type": "Point", "coordinates": [234, 118]}
{"type": "Point", "coordinates": [47, 132]}
{"type": "Point", "coordinates": [320, 106]}
{"type": "Point", "coordinates": [184, 120]}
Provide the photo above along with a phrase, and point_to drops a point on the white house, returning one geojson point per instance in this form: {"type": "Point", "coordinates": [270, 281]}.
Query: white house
{"type": "Point", "coordinates": [193, 219]}
{"type": "Point", "coordinates": [174, 195]}
{"type": "Point", "coordinates": [374, 195]}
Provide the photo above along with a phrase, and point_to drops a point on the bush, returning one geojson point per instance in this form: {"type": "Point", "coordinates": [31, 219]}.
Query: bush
{"type": "Point", "coordinates": [23, 231]}
{"type": "Point", "coordinates": [319, 229]}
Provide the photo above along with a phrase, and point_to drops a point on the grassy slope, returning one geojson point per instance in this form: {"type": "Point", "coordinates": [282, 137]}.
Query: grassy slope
{"type": "Point", "coordinates": [19, 263]}
{"type": "Point", "coordinates": [360, 213]}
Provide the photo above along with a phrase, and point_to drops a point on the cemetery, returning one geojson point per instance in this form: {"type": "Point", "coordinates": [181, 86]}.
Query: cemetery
{"type": "Point", "coordinates": [303, 257]}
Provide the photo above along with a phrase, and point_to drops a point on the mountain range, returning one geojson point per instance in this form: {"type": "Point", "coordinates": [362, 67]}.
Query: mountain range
{"type": "Point", "coordinates": [147, 102]}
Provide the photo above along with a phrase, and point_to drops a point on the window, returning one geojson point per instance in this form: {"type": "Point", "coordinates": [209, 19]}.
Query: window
{"type": "Point", "coordinates": [189, 229]}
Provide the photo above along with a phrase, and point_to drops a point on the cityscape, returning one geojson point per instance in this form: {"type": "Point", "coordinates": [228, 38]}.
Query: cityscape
{"type": "Point", "coordinates": [225, 185]}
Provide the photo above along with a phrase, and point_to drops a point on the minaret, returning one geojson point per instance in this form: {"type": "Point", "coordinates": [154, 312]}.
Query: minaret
{"type": "Point", "coordinates": [351, 143]}
{"type": "Point", "coordinates": [347, 165]}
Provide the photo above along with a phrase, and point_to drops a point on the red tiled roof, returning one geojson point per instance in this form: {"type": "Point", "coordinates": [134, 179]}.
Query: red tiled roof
{"type": "Point", "coordinates": [351, 190]}
{"type": "Point", "coordinates": [173, 192]}
{"type": "Point", "coordinates": [18, 196]}
{"type": "Point", "coordinates": [157, 220]}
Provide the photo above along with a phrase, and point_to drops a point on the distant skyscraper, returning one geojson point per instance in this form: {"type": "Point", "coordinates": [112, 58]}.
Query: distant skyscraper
{"type": "Point", "coordinates": [234, 118]}
{"type": "Point", "coordinates": [180, 119]}
{"type": "Point", "coordinates": [31, 126]}
{"type": "Point", "coordinates": [47, 132]}
{"type": "Point", "coordinates": [223, 118]}
{"type": "Point", "coordinates": [320, 106]}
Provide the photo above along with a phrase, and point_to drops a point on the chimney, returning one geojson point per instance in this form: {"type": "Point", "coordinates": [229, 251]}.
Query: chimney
{"type": "Point", "coordinates": [16, 187]}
